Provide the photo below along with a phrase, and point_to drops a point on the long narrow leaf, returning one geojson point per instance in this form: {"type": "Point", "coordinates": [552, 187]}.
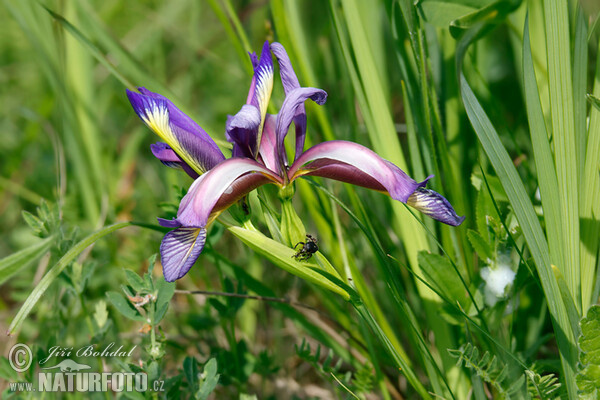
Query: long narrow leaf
{"type": "Point", "coordinates": [53, 273]}
{"type": "Point", "coordinates": [556, 16]}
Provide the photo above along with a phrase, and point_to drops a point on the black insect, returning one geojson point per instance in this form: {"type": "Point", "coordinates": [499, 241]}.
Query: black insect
{"type": "Point", "coordinates": [307, 250]}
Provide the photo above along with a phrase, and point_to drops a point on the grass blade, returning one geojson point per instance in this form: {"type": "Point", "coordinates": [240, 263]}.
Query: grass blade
{"type": "Point", "coordinates": [53, 273]}
{"type": "Point", "coordinates": [556, 16]}
{"type": "Point", "coordinates": [544, 160]}
{"type": "Point", "coordinates": [11, 265]}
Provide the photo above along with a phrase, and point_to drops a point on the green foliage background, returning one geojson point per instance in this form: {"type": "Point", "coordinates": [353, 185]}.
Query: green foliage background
{"type": "Point", "coordinates": [498, 99]}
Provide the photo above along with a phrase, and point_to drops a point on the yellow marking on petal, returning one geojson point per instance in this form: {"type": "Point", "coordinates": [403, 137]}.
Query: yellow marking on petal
{"type": "Point", "coordinates": [264, 88]}
{"type": "Point", "coordinates": [157, 119]}
{"type": "Point", "coordinates": [194, 237]}
{"type": "Point", "coordinates": [419, 202]}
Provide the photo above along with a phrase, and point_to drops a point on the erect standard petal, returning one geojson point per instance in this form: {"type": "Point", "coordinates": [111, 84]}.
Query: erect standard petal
{"type": "Point", "coordinates": [356, 164]}
{"type": "Point", "coordinates": [294, 99]}
{"type": "Point", "coordinates": [290, 82]}
{"type": "Point", "coordinates": [260, 90]}
{"type": "Point", "coordinates": [179, 250]}
{"type": "Point", "coordinates": [434, 205]}
{"type": "Point", "coordinates": [241, 129]}
{"type": "Point", "coordinates": [167, 156]}
{"type": "Point", "coordinates": [186, 138]}
{"type": "Point", "coordinates": [221, 187]}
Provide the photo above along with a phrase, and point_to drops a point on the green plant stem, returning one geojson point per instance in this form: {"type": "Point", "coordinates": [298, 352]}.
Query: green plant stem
{"type": "Point", "coordinates": [401, 363]}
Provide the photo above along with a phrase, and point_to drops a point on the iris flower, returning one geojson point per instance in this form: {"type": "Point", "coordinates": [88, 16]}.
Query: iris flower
{"type": "Point", "coordinates": [259, 157]}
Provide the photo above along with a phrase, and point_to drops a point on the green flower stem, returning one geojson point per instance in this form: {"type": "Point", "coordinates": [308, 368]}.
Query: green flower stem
{"type": "Point", "coordinates": [292, 228]}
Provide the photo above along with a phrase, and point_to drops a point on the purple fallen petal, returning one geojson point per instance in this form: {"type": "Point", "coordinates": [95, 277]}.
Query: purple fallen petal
{"type": "Point", "coordinates": [179, 250]}
{"type": "Point", "coordinates": [356, 164]}
{"type": "Point", "coordinates": [221, 182]}
{"type": "Point", "coordinates": [343, 172]}
{"type": "Point", "coordinates": [290, 82]}
{"type": "Point", "coordinates": [434, 205]}
{"type": "Point", "coordinates": [186, 138]}
{"type": "Point", "coordinates": [242, 130]}
{"type": "Point", "coordinates": [293, 100]}
{"type": "Point", "coordinates": [168, 157]}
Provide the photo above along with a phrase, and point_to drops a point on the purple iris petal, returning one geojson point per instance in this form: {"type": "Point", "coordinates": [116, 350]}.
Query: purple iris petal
{"type": "Point", "coordinates": [205, 192]}
{"type": "Point", "coordinates": [241, 129]}
{"type": "Point", "coordinates": [293, 100]}
{"type": "Point", "coordinates": [167, 156]}
{"type": "Point", "coordinates": [343, 172]}
{"type": "Point", "coordinates": [179, 250]}
{"type": "Point", "coordinates": [434, 205]}
{"type": "Point", "coordinates": [211, 192]}
{"type": "Point", "coordinates": [356, 164]}
{"type": "Point", "coordinates": [290, 82]}
{"type": "Point", "coordinates": [169, 223]}
{"type": "Point", "coordinates": [268, 144]}
{"type": "Point", "coordinates": [186, 138]}
{"type": "Point", "coordinates": [259, 94]}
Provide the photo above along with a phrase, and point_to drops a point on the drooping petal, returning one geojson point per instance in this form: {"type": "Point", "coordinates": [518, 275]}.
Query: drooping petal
{"type": "Point", "coordinates": [241, 130]}
{"type": "Point", "coordinates": [434, 205]}
{"type": "Point", "coordinates": [294, 99]}
{"type": "Point", "coordinates": [180, 249]}
{"type": "Point", "coordinates": [167, 156]}
{"type": "Point", "coordinates": [356, 164]}
{"type": "Point", "coordinates": [290, 82]}
{"type": "Point", "coordinates": [221, 187]}
{"type": "Point", "coordinates": [189, 141]}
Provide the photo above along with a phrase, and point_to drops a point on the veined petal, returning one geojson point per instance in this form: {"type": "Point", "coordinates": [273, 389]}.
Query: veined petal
{"type": "Point", "coordinates": [179, 250]}
{"type": "Point", "coordinates": [189, 141]}
{"type": "Point", "coordinates": [356, 164]}
{"type": "Point", "coordinates": [261, 87]}
{"type": "Point", "coordinates": [168, 157]}
{"type": "Point", "coordinates": [242, 130]}
{"type": "Point", "coordinates": [268, 144]}
{"type": "Point", "coordinates": [221, 187]}
{"type": "Point", "coordinates": [290, 82]}
{"type": "Point", "coordinates": [294, 99]}
{"type": "Point", "coordinates": [434, 205]}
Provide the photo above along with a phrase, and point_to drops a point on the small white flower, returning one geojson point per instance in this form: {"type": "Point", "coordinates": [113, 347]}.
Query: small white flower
{"type": "Point", "coordinates": [497, 279]}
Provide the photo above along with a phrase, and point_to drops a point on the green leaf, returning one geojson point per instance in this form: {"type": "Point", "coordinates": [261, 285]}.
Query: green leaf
{"type": "Point", "coordinates": [136, 281]}
{"type": "Point", "coordinates": [560, 82]}
{"type": "Point", "coordinates": [101, 314]}
{"type": "Point", "coordinates": [438, 272]}
{"type": "Point", "coordinates": [165, 292]}
{"type": "Point", "coordinates": [590, 197]}
{"type": "Point", "coordinates": [36, 224]}
{"type": "Point", "coordinates": [190, 368]}
{"type": "Point", "coordinates": [13, 264]}
{"type": "Point", "coordinates": [53, 273]}
{"type": "Point", "coordinates": [282, 256]}
{"type": "Point", "coordinates": [440, 13]}
{"type": "Point", "coordinates": [481, 247]}
{"type": "Point", "coordinates": [524, 211]}
{"type": "Point", "coordinates": [588, 377]}
{"type": "Point", "coordinates": [544, 160]}
{"type": "Point", "coordinates": [593, 101]}
{"type": "Point", "coordinates": [7, 372]}
{"type": "Point", "coordinates": [210, 378]}
{"type": "Point", "coordinates": [124, 306]}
